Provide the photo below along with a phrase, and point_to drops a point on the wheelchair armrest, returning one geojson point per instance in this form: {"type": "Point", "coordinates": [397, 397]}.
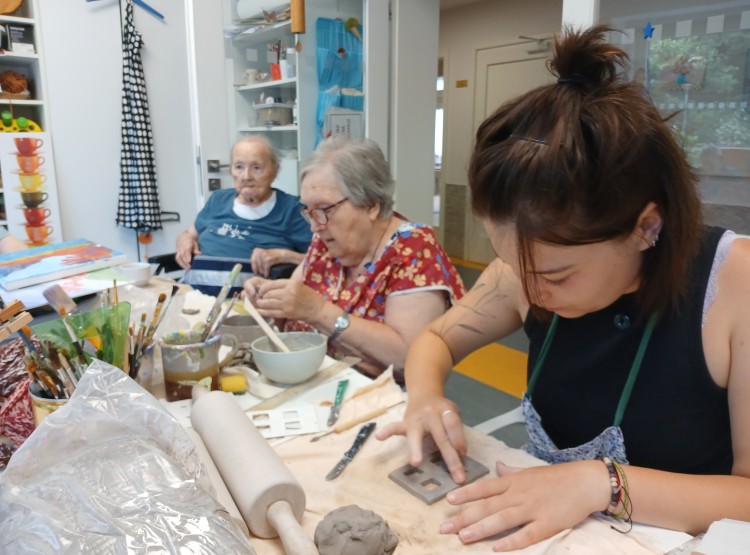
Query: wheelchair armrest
{"type": "Point", "coordinates": [282, 271]}
{"type": "Point", "coordinates": [165, 263]}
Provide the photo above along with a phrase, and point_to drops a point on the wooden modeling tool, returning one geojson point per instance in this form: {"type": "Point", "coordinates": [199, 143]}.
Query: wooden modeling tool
{"type": "Point", "coordinates": [268, 330]}
{"type": "Point", "coordinates": [346, 424]}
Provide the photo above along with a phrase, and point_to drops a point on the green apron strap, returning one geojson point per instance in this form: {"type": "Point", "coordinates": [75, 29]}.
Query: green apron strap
{"type": "Point", "coordinates": [625, 397]}
{"type": "Point", "coordinates": [543, 353]}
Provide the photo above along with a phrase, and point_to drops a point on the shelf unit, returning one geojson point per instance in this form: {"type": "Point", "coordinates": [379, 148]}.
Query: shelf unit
{"type": "Point", "coordinates": [248, 49]}
{"type": "Point", "coordinates": [32, 67]}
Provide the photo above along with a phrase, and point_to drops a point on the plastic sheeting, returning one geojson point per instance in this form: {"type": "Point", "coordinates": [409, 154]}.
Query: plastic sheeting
{"type": "Point", "coordinates": [112, 472]}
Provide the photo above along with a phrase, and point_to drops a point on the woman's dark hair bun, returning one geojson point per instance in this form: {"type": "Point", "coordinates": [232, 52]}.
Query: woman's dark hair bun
{"type": "Point", "coordinates": [585, 58]}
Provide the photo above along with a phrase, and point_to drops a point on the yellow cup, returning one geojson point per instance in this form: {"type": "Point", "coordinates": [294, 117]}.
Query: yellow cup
{"type": "Point", "coordinates": [41, 406]}
{"type": "Point", "coordinates": [32, 182]}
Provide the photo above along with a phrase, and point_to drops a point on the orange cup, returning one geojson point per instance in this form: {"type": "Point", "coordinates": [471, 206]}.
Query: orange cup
{"type": "Point", "coordinates": [38, 233]}
{"type": "Point", "coordinates": [30, 164]}
{"type": "Point", "coordinates": [36, 216]}
{"type": "Point", "coordinates": [31, 182]}
{"type": "Point", "coordinates": [27, 146]}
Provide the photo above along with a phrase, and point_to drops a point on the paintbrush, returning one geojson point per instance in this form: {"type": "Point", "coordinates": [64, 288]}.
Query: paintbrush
{"type": "Point", "coordinates": [154, 319]}
{"type": "Point", "coordinates": [61, 303]}
{"type": "Point", "coordinates": [224, 315]}
{"type": "Point", "coordinates": [220, 300]}
{"type": "Point", "coordinates": [148, 335]}
{"type": "Point", "coordinates": [164, 310]}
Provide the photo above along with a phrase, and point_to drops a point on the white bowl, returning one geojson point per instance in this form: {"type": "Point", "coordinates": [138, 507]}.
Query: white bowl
{"type": "Point", "coordinates": [308, 350]}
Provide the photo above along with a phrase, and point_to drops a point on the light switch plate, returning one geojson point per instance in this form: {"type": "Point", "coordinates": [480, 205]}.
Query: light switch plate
{"type": "Point", "coordinates": [431, 481]}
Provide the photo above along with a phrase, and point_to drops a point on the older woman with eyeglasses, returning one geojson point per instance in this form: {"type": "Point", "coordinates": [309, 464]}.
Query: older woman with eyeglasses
{"type": "Point", "coordinates": [371, 280]}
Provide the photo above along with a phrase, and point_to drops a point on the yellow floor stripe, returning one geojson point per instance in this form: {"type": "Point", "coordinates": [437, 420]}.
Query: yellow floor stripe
{"type": "Point", "coordinates": [497, 366]}
{"type": "Point", "coordinates": [468, 263]}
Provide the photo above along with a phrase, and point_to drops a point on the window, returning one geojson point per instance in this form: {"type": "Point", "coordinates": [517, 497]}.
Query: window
{"type": "Point", "coordinates": [693, 58]}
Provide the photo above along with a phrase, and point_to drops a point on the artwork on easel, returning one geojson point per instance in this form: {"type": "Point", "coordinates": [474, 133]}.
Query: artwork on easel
{"type": "Point", "coordinates": [29, 186]}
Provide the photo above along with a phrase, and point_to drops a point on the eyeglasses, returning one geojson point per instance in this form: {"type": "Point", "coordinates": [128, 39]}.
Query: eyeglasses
{"type": "Point", "coordinates": [319, 215]}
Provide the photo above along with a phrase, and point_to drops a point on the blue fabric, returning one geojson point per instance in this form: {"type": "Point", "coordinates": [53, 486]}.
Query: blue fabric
{"type": "Point", "coordinates": [208, 274]}
{"type": "Point", "coordinates": [610, 443]}
{"type": "Point", "coordinates": [336, 72]}
{"type": "Point", "coordinates": [222, 233]}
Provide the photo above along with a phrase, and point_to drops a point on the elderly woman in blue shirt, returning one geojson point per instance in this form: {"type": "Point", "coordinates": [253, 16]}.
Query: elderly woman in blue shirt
{"type": "Point", "coordinates": [253, 221]}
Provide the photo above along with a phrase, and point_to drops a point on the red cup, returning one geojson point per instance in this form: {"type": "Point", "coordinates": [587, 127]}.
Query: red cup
{"type": "Point", "coordinates": [36, 216]}
{"type": "Point", "coordinates": [27, 146]}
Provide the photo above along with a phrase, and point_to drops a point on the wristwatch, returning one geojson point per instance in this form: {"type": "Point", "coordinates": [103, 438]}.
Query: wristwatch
{"type": "Point", "coordinates": [339, 326]}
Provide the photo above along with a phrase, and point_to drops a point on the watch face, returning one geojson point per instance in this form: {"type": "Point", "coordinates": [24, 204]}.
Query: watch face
{"type": "Point", "coordinates": [342, 322]}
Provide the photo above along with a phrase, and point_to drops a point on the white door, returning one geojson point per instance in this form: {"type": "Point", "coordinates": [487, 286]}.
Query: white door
{"type": "Point", "coordinates": [502, 73]}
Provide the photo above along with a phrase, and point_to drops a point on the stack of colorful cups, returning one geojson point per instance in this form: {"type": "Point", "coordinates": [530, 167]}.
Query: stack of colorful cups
{"type": "Point", "coordinates": [32, 178]}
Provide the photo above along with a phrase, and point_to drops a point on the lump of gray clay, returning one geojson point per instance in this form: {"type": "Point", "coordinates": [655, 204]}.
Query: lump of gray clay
{"type": "Point", "coordinates": [351, 530]}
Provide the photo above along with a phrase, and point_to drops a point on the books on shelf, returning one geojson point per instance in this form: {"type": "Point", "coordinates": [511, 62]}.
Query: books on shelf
{"type": "Point", "coordinates": [55, 261]}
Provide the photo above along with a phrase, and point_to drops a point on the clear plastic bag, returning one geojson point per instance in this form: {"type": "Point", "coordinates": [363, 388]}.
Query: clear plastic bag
{"type": "Point", "coordinates": [112, 472]}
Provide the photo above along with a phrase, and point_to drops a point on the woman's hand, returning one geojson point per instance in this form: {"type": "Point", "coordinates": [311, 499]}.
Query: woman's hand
{"type": "Point", "coordinates": [284, 299]}
{"type": "Point", "coordinates": [528, 504]}
{"type": "Point", "coordinates": [438, 417]}
{"type": "Point", "coordinates": [187, 246]}
{"type": "Point", "coordinates": [263, 259]}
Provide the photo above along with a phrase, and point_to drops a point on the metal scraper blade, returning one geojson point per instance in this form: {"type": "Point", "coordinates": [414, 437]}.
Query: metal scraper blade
{"type": "Point", "coordinates": [431, 481]}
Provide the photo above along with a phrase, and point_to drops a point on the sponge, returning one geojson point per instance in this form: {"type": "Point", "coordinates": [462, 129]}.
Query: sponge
{"type": "Point", "coordinates": [233, 383]}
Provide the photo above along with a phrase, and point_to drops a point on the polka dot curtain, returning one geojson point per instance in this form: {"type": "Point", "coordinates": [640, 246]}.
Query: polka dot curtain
{"type": "Point", "coordinates": [138, 205]}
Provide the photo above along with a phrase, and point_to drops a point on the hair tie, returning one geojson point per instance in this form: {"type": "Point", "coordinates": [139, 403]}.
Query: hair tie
{"type": "Point", "coordinates": [573, 80]}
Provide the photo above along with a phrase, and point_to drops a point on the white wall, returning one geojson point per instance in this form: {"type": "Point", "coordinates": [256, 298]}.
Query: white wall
{"type": "Point", "coordinates": [82, 48]}
{"type": "Point", "coordinates": [415, 25]}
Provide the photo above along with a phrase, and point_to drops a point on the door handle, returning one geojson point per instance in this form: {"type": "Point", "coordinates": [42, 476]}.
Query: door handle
{"type": "Point", "coordinates": [214, 166]}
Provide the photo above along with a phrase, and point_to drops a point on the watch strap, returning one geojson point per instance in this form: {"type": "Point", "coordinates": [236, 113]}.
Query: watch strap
{"type": "Point", "coordinates": [341, 324]}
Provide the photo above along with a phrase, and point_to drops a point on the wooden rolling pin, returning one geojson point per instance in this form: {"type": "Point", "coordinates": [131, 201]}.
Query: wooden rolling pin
{"type": "Point", "coordinates": [266, 493]}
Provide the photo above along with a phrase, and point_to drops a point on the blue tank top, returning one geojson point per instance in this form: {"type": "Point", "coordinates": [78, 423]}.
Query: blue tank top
{"type": "Point", "coordinates": [677, 418]}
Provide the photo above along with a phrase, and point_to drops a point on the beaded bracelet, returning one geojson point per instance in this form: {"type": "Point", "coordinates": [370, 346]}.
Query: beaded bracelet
{"type": "Point", "coordinates": [614, 482]}
{"type": "Point", "coordinates": [618, 481]}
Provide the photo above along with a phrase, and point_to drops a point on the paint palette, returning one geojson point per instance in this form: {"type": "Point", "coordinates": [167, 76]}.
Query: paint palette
{"type": "Point", "coordinates": [431, 481]}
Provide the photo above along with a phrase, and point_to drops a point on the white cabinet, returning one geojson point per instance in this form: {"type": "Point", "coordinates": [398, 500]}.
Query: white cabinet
{"type": "Point", "coordinates": [290, 122]}
{"type": "Point", "coordinates": [21, 59]}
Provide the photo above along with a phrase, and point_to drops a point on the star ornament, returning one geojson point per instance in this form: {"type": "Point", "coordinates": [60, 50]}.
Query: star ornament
{"type": "Point", "coordinates": [648, 31]}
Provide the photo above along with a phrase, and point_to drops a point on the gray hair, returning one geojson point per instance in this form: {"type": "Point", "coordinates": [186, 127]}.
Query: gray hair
{"type": "Point", "coordinates": [362, 173]}
{"type": "Point", "coordinates": [273, 153]}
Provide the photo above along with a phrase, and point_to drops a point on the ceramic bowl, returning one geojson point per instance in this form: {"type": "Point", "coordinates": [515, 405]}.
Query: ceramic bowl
{"type": "Point", "coordinates": [308, 350]}
{"type": "Point", "coordinates": [243, 328]}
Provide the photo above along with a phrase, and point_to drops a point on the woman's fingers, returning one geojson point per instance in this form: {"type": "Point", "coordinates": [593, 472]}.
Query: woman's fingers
{"type": "Point", "coordinates": [439, 422]}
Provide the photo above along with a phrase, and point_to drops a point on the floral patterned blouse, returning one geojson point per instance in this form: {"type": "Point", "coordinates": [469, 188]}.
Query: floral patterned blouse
{"type": "Point", "coordinates": [413, 261]}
